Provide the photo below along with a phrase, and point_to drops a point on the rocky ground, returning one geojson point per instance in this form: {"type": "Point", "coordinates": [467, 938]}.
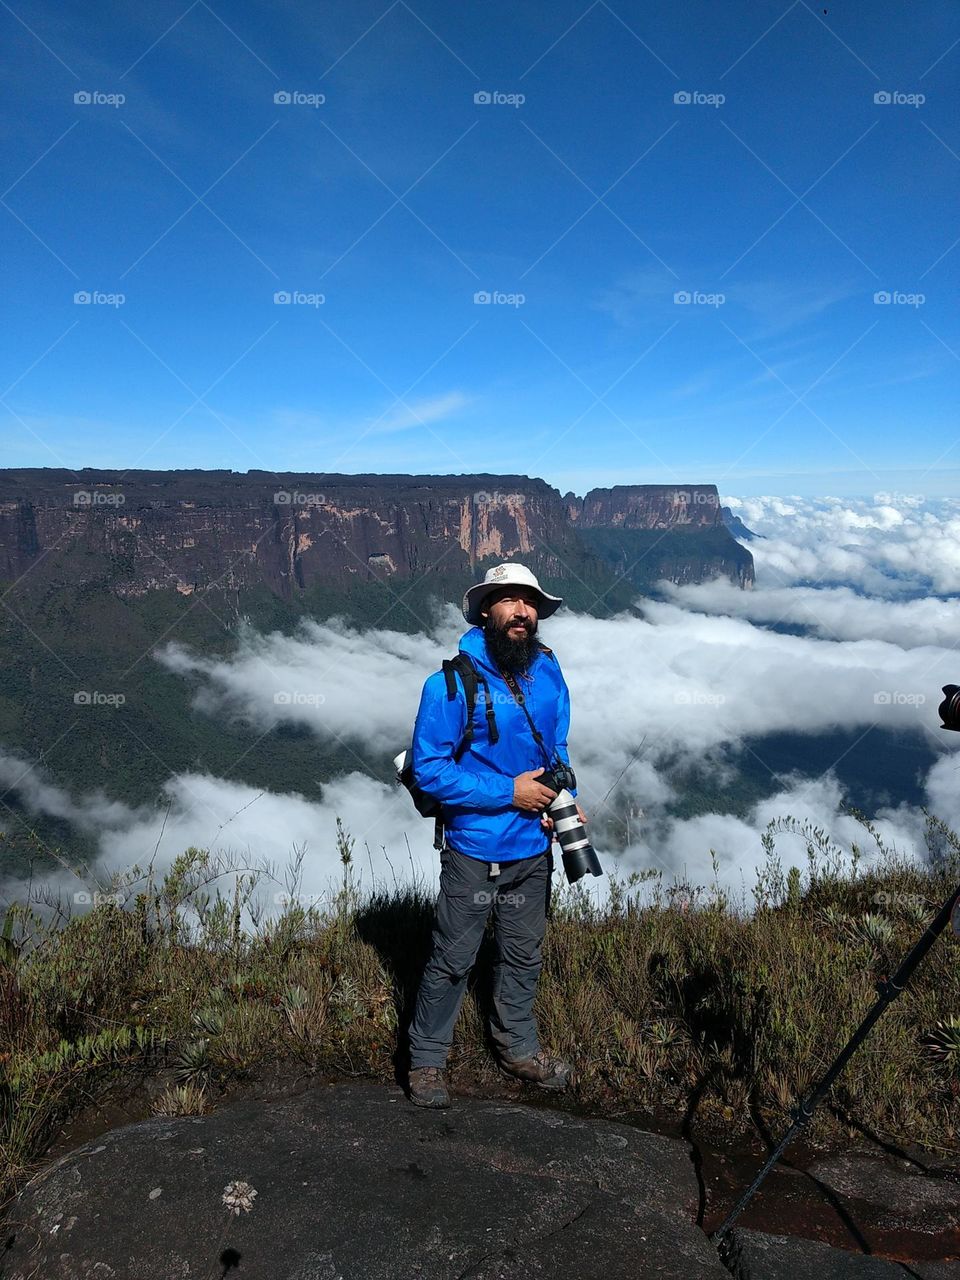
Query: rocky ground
{"type": "Point", "coordinates": [347, 1181]}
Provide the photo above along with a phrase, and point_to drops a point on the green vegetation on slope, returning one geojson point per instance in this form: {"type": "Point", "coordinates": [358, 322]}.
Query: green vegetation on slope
{"type": "Point", "coordinates": [682, 1000]}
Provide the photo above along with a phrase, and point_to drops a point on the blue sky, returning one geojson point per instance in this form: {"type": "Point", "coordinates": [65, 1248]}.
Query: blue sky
{"type": "Point", "coordinates": [781, 198]}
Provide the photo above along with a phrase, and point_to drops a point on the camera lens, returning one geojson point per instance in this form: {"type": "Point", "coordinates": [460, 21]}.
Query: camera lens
{"type": "Point", "coordinates": [578, 855]}
{"type": "Point", "coordinates": [949, 709]}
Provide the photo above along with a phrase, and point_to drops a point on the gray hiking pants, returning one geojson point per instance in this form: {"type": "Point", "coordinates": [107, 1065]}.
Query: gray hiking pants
{"type": "Point", "coordinates": [520, 897]}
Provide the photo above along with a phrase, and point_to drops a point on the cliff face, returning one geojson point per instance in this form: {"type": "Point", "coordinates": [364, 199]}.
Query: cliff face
{"type": "Point", "coordinates": [649, 532]}
{"type": "Point", "coordinates": [647, 506]}
{"type": "Point", "coordinates": [197, 530]}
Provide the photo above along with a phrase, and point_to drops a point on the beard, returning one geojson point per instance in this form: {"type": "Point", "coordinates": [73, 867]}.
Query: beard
{"type": "Point", "coordinates": [510, 652]}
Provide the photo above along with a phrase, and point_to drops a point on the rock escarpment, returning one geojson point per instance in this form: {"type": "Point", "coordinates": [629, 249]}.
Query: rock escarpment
{"type": "Point", "coordinates": [140, 531]}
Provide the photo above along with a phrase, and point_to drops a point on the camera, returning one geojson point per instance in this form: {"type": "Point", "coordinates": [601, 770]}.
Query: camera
{"type": "Point", "coordinates": [578, 854]}
{"type": "Point", "coordinates": [949, 709]}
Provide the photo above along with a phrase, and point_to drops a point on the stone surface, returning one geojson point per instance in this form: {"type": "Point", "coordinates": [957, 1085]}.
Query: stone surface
{"type": "Point", "coordinates": [908, 1200]}
{"type": "Point", "coordinates": [354, 1183]}
{"type": "Point", "coordinates": [349, 1181]}
{"type": "Point", "coordinates": [758, 1256]}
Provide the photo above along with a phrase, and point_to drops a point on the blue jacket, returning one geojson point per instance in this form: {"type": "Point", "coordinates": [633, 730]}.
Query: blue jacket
{"type": "Point", "coordinates": [477, 792]}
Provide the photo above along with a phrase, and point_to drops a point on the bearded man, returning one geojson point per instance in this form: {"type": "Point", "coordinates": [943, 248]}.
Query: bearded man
{"type": "Point", "coordinates": [497, 853]}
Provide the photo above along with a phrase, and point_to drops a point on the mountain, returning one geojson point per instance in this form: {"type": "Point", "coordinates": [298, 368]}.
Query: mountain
{"type": "Point", "coordinates": [99, 569]}
{"type": "Point", "coordinates": [225, 531]}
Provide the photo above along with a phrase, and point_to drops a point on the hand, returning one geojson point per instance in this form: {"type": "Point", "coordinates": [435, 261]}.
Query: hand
{"type": "Point", "coordinates": [530, 795]}
{"type": "Point", "coordinates": [547, 822]}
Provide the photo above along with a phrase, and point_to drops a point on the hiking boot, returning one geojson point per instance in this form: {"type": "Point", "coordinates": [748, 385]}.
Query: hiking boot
{"type": "Point", "coordinates": [541, 1069]}
{"type": "Point", "coordinates": [428, 1087]}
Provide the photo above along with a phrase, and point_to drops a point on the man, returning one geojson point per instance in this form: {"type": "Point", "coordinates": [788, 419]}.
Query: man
{"type": "Point", "coordinates": [497, 850]}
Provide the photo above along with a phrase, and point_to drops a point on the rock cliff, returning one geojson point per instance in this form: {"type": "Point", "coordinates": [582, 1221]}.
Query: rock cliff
{"type": "Point", "coordinates": [141, 531]}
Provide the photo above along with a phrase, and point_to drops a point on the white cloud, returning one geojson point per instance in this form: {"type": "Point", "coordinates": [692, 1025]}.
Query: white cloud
{"type": "Point", "coordinates": [682, 847]}
{"type": "Point", "coordinates": [360, 688]}
{"type": "Point", "coordinates": [692, 682]}
{"type": "Point", "coordinates": [686, 677]}
{"type": "Point", "coordinates": [38, 795]}
{"type": "Point", "coordinates": [682, 683]}
{"type": "Point", "coordinates": [893, 545]}
{"type": "Point", "coordinates": [256, 828]}
{"type": "Point", "coordinates": [836, 613]}
{"type": "Point", "coordinates": [420, 412]}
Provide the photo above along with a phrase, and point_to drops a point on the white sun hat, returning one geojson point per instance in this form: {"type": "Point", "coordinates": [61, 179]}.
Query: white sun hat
{"type": "Point", "coordinates": [507, 575]}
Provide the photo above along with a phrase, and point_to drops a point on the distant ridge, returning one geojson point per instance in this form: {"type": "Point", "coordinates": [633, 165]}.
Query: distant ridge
{"type": "Point", "coordinates": [736, 525]}
{"type": "Point", "coordinates": [198, 530]}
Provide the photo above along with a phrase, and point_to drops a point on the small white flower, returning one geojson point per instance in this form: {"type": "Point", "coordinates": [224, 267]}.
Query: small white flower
{"type": "Point", "coordinates": [239, 1195]}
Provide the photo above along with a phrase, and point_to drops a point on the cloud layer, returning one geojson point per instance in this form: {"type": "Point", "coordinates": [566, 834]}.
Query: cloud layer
{"type": "Point", "coordinates": [700, 670]}
{"type": "Point", "coordinates": [891, 545]}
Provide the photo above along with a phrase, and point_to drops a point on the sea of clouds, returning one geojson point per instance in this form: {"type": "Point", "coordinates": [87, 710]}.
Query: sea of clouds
{"type": "Point", "coordinates": [864, 594]}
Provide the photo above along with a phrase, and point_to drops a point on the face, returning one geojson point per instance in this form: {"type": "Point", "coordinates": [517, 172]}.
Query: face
{"type": "Point", "coordinates": [509, 617]}
{"type": "Point", "coordinates": [513, 610]}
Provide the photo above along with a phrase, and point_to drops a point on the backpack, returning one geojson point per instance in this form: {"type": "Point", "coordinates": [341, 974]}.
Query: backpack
{"type": "Point", "coordinates": [427, 806]}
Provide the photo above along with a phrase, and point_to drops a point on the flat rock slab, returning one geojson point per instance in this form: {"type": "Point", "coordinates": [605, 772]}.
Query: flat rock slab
{"type": "Point", "coordinates": [907, 1200]}
{"type": "Point", "coordinates": [354, 1183]}
{"type": "Point", "coordinates": [757, 1256]}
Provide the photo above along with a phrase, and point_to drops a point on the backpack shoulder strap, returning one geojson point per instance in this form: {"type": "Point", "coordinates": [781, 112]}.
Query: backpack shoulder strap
{"type": "Point", "coordinates": [462, 664]}
{"type": "Point", "coordinates": [470, 677]}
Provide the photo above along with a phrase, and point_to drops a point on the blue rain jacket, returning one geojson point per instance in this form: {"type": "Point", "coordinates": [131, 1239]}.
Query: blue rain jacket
{"type": "Point", "coordinates": [477, 791]}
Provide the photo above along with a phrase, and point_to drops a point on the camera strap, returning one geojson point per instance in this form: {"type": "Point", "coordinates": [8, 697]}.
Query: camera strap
{"type": "Point", "coordinates": [521, 702]}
